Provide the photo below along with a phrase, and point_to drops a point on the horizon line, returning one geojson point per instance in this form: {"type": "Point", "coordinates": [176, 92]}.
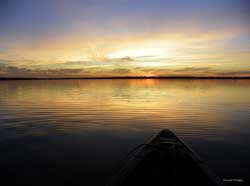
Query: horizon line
{"type": "Point", "coordinates": [125, 77]}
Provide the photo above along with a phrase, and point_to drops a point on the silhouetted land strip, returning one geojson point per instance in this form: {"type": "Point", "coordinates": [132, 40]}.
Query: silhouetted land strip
{"type": "Point", "coordinates": [125, 77]}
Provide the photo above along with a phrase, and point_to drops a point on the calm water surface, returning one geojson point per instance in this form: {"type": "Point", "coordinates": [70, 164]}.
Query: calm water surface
{"type": "Point", "coordinates": [75, 132]}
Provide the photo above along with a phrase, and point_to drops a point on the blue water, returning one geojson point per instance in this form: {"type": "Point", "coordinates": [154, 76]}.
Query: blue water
{"type": "Point", "coordinates": [75, 132]}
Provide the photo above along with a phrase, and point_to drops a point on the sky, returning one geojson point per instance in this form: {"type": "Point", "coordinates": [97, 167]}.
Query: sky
{"type": "Point", "coordinates": [110, 38]}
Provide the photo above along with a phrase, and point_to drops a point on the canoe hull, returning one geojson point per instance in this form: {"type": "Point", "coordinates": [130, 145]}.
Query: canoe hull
{"type": "Point", "coordinates": [164, 159]}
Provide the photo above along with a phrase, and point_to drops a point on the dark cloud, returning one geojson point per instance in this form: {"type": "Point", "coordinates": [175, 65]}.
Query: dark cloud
{"type": "Point", "coordinates": [65, 71]}
{"type": "Point", "coordinates": [121, 71]}
{"type": "Point", "coordinates": [127, 58]}
{"type": "Point", "coordinates": [5, 62]}
{"type": "Point", "coordinates": [13, 71]}
{"type": "Point", "coordinates": [235, 73]}
{"type": "Point", "coordinates": [193, 69]}
{"type": "Point", "coordinates": [75, 62]}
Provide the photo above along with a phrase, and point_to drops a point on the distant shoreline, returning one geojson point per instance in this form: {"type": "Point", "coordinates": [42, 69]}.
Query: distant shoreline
{"type": "Point", "coordinates": [72, 78]}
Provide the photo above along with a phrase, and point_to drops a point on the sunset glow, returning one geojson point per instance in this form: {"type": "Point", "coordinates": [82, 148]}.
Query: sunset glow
{"type": "Point", "coordinates": [124, 38]}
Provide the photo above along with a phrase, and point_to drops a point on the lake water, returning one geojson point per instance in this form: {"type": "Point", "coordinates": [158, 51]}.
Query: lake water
{"type": "Point", "coordinates": [75, 132]}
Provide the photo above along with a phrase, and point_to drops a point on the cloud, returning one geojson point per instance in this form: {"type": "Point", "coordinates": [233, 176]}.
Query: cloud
{"type": "Point", "coordinates": [242, 73]}
{"type": "Point", "coordinates": [194, 69]}
{"type": "Point", "coordinates": [121, 71]}
{"type": "Point", "coordinates": [100, 72]}
{"type": "Point", "coordinates": [126, 58]}
{"type": "Point", "coordinates": [115, 68]}
{"type": "Point", "coordinates": [65, 71]}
